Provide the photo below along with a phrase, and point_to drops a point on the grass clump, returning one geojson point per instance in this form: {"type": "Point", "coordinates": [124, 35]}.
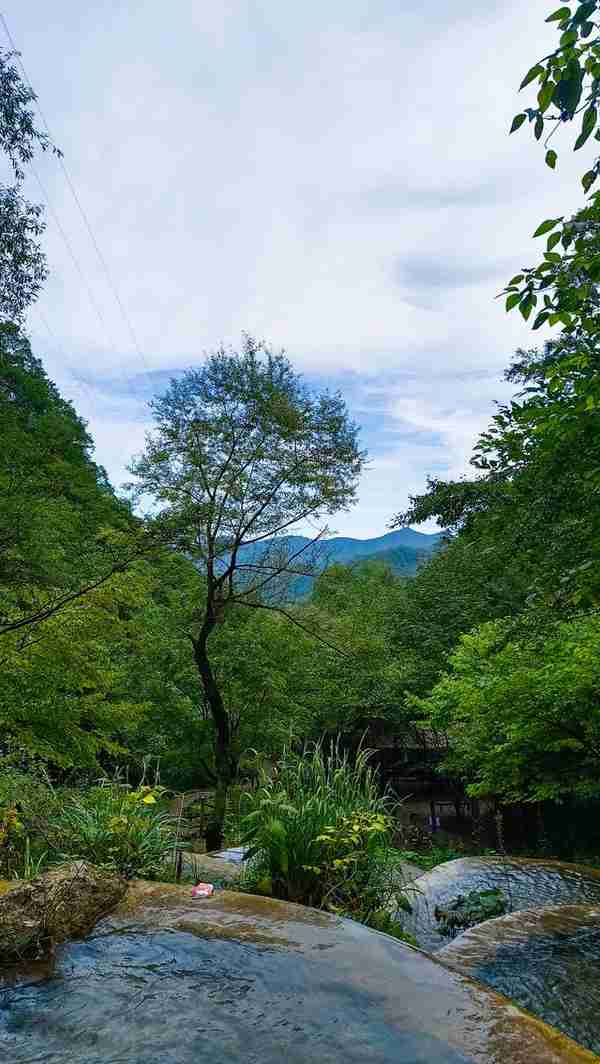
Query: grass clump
{"type": "Point", "coordinates": [431, 857]}
{"type": "Point", "coordinates": [118, 829]}
{"type": "Point", "coordinates": [468, 910]}
{"type": "Point", "coordinates": [115, 827]}
{"type": "Point", "coordinates": [319, 833]}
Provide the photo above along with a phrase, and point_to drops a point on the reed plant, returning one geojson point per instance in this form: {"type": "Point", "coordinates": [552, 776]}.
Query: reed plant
{"type": "Point", "coordinates": [319, 830]}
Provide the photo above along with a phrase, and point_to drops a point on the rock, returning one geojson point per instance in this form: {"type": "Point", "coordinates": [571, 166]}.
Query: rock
{"type": "Point", "coordinates": [211, 868]}
{"type": "Point", "coordinates": [63, 903]}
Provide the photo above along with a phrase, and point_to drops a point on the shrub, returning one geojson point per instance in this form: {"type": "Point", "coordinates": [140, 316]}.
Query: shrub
{"type": "Point", "coordinates": [26, 800]}
{"type": "Point", "coordinates": [319, 833]}
{"type": "Point", "coordinates": [118, 829]}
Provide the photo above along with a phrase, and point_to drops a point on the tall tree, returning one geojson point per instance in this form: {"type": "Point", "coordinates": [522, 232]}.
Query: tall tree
{"type": "Point", "coordinates": [22, 262]}
{"type": "Point", "coordinates": [241, 454]}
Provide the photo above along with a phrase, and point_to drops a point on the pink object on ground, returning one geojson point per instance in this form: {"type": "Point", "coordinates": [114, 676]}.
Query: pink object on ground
{"type": "Point", "coordinates": [202, 890]}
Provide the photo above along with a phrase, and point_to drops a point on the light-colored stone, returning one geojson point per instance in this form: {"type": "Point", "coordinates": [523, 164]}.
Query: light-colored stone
{"type": "Point", "coordinates": [211, 869]}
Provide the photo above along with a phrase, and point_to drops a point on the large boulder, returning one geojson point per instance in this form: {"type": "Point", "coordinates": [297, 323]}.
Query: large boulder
{"type": "Point", "coordinates": [63, 903]}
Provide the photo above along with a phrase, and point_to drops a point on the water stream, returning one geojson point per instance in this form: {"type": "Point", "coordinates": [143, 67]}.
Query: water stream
{"type": "Point", "coordinates": [525, 884]}
{"type": "Point", "coordinates": [173, 998]}
{"type": "Point", "coordinates": [547, 960]}
{"type": "Point", "coordinates": [544, 955]}
{"type": "Point", "coordinates": [232, 979]}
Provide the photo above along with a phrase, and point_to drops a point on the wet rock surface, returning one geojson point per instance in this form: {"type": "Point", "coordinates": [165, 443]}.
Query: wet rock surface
{"type": "Point", "coordinates": [236, 978]}
{"type": "Point", "coordinates": [548, 961]}
{"type": "Point", "coordinates": [526, 884]}
{"type": "Point", "coordinates": [61, 904]}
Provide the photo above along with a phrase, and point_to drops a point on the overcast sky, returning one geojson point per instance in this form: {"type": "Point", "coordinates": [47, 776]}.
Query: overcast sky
{"type": "Point", "coordinates": [333, 177]}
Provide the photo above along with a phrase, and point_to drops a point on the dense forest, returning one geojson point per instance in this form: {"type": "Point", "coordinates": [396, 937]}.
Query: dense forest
{"type": "Point", "coordinates": [172, 640]}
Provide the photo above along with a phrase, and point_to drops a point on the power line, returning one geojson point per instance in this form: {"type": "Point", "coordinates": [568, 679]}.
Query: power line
{"type": "Point", "coordinates": [81, 381]}
{"type": "Point", "coordinates": [80, 208]}
{"type": "Point", "coordinates": [69, 248]}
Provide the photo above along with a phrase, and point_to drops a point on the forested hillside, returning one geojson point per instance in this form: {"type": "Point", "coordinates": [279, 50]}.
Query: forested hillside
{"type": "Point", "coordinates": [402, 551]}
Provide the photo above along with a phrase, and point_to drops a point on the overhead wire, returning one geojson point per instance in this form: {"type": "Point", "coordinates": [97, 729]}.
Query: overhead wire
{"type": "Point", "coordinates": [108, 333]}
{"type": "Point", "coordinates": [69, 248]}
{"type": "Point", "coordinates": [101, 258]}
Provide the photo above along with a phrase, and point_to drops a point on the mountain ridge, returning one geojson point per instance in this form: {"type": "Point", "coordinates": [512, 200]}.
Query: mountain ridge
{"type": "Point", "coordinates": [403, 550]}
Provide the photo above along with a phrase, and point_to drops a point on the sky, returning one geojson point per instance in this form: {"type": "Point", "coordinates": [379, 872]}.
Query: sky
{"type": "Point", "coordinates": [335, 178]}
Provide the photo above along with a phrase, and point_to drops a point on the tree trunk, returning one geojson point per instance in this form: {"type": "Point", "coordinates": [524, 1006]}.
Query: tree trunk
{"type": "Point", "coordinates": [224, 760]}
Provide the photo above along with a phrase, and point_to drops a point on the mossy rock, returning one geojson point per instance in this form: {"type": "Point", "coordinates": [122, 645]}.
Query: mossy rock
{"type": "Point", "coordinates": [63, 903]}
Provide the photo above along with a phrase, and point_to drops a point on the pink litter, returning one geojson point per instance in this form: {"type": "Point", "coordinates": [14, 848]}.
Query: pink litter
{"type": "Point", "coordinates": [202, 890]}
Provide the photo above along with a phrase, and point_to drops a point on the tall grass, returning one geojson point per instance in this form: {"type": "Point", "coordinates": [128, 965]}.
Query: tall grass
{"type": "Point", "coordinates": [117, 828]}
{"type": "Point", "coordinates": [288, 814]}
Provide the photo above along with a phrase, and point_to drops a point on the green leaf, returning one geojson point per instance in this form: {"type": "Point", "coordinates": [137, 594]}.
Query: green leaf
{"type": "Point", "coordinates": [568, 38]}
{"type": "Point", "coordinates": [545, 95]}
{"type": "Point", "coordinates": [568, 90]}
{"type": "Point", "coordinates": [553, 257]}
{"type": "Point", "coordinates": [551, 158]}
{"type": "Point", "coordinates": [588, 180]}
{"type": "Point", "coordinates": [589, 121]}
{"type": "Point", "coordinates": [584, 12]}
{"type": "Point", "coordinates": [512, 300]}
{"type": "Point", "coordinates": [538, 128]}
{"type": "Point", "coordinates": [593, 268]}
{"type": "Point", "coordinates": [553, 241]}
{"type": "Point", "coordinates": [516, 279]}
{"type": "Point", "coordinates": [560, 14]}
{"type": "Point", "coordinates": [531, 75]}
{"type": "Point", "coordinates": [526, 306]}
{"type": "Point", "coordinates": [541, 318]}
{"type": "Point", "coordinates": [546, 226]}
{"type": "Point", "coordinates": [517, 122]}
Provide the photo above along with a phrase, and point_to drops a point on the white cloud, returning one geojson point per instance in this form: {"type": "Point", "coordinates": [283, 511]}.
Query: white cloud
{"type": "Point", "coordinates": [336, 178]}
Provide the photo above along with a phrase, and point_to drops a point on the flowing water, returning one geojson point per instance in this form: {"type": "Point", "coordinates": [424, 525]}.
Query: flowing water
{"type": "Point", "coordinates": [525, 885]}
{"type": "Point", "coordinates": [165, 997]}
{"type": "Point", "coordinates": [237, 979]}
{"type": "Point", "coordinates": [545, 954]}
{"type": "Point", "coordinates": [548, 961]}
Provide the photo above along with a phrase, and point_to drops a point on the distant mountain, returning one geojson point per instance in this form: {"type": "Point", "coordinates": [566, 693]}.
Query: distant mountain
{"type": "Point", "coordinates": [403, 550]}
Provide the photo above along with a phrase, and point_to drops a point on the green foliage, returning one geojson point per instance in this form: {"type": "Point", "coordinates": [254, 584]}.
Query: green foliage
{"type": "Point", "coordinates": [307, 793]}
{"type": "Point", "coordinates": [62, 529]}
{"type": "Point", "coordinates": [319, 833]}
{"type": "Point", "coordinates": [563, 285]}
{"type": "Point", "coordinates": [430, 858]}
{"type": "Point", "coordinates": [22, 263]}
{"type": "Point", "coordinates": [568, 77]}
{"type": "Point", "coordinates": [241, 452]}
{"type": "Point", "coordinates": [471, 909]}
{"type": "Point", "coordinates": [354, 677]}
{"type": "Point", "coordinates": [521, 705]}
{"type": "Point", "coordinates": [117, 829]}
{"type": "Point", "coordinates": [26, 801]}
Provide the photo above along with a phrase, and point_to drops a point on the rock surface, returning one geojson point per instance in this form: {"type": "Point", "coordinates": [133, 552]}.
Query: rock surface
{"type": "Point", "coordinates": [211, 869]}
{"type": "Point", "coordinates": [327, 974]}
{"type": "Point", "coordinates": [63, 903]}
